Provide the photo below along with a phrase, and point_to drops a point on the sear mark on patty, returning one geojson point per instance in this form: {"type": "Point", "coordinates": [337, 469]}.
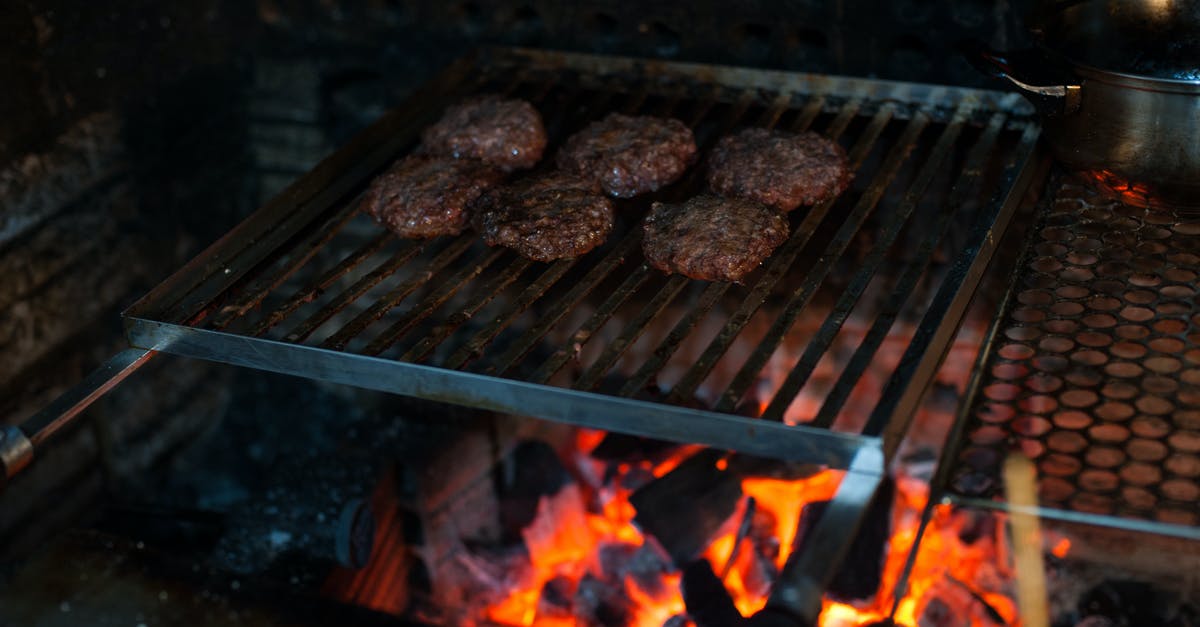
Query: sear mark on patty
{"type": "Point", "coordinates": [505, 133]}
{"type": "Point", "coordinates": [422, 197]}
{"type": "Point", "coordinates": [779, 168]}
{"type": "Point", "coordinates": [712, 238]}
{"type": "Point", "coordinates": [554, 216]}
{"type": "Point", "coordinates": [629, 155]}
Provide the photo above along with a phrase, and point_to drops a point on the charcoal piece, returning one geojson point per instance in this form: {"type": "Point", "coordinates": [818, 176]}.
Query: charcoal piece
{"type": "Point", "coordinates": [706, 598]}
{"type": "Point", "coordinates": [861, 571]}
{"type": "Point", "coordinates": [1096, 621]}
{"type": "Point", "coordinates": [555, 599]}
{"type": "Point", "coordinates": [531, 471]}
{"type": "Point", "coordinates": [599, 602]}
{"type": "Point", "coordinates": [684, 509]}
{"type": "Point", "coordinates": [618, 447]}
{"type": "Point", "coordinates": [773, 617]}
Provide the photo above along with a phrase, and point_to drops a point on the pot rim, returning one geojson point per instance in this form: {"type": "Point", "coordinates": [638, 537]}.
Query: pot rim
{"type": "Point", "coordinates": [1125, 79]}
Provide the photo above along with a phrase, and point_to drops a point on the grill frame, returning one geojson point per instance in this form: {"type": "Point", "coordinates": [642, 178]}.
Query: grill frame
{"type": "Point", "coordinates": [169, 318]}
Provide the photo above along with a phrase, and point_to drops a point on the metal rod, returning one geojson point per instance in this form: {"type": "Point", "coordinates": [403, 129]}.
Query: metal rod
{"type": "Point", "coordinates": [616, 347]}
{"type": "Point", "coordinates": [633, 417]}
{"type": "Point", "coordinates": [460, 317]}
{"type": "Point", "coordinates": [566, 302]}
{"type": "Point", "coordinates": [782, 259]}
{"type": "Point", "coordinates": [385, 269]}
{"type": "Point", "coordinates": [474, 347]}
{"type": "Point", "coordinates": [801, 585]}
{"type": "Point", "coordinates": [426, 307]}
{"type": "Point", "coordinates": [816, 274]}
{"type": "Point", "coordinates": [255, 291]}
{"type": "Point", "coordinates": [833, 322]}
{"type": "Point", "coordinates": [313, 289]}
{"type": "Point", "coordinates": [708, 299]}
{"type": "Point", "coordinates": [555, 362]}
{"type": "Point", "coordinates": [906, 284]}
{"type": "Point", "coordinates": [918, 366]}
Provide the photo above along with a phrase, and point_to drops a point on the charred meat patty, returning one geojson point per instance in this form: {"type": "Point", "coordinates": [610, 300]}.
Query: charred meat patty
{"type": "Point", "coordinates": [505, 133]}
{"type": "Point", "coordinates": [423, 197]}
{"type": "Point", "coordinates": [712, 238]}
{"type": "Point", "coordinates": [544, 218]}
{"type": "Point", "coordinates": [779, 168]}
{"type": "Point", "coordinates": [629, 155]}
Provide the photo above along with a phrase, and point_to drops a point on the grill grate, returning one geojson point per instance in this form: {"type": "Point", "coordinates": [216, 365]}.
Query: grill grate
{"type": "Point", "coordinates": [869, 287]}
{"type": "Point", "coordinates": [1094, 369]}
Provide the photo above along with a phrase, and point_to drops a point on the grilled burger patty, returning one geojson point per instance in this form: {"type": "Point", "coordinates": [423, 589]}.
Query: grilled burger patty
{"type": "Point", "coordinates": [505, 133]}
{"type": "Point", "coordinates": [712, 238]}
{"type": "Point", "coordinates": [554, 216]}
{"type": "Point", "coordinates": [629, 155]}
{"type": "Point", "coordinates": [422, 197]}
{"type": "Point", "coordinates": [782, 169]}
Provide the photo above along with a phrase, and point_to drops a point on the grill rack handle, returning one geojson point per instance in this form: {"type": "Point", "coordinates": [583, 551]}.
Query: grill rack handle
{"type": "Point", "coordinates": [19, 444]}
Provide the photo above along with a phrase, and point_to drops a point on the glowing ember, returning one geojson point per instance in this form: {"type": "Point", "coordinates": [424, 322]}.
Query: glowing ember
{"type": "Point", "coordinates": [572, 527]}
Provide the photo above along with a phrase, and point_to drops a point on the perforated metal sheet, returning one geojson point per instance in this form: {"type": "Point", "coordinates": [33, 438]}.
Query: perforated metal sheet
{"type": "Point", "coordinates": [1094, 370]}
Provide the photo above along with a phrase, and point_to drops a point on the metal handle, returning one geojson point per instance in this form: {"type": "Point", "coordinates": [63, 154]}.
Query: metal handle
{"type": "Point", "coordinates": [19, 444]}
{"type": "Point", "coordinates": [1052, 91]}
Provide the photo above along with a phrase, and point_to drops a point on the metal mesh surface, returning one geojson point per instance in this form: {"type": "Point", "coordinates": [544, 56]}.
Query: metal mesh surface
{"type": "Point", "coordinates": [1094, 371]}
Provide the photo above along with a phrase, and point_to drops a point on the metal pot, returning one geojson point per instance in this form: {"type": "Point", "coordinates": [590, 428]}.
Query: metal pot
{"type": "Point", "coordinates": [1135, 128]}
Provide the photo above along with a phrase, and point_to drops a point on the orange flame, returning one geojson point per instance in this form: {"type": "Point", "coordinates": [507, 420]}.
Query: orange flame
{"type": "Point", "coordinates": [567, 534]}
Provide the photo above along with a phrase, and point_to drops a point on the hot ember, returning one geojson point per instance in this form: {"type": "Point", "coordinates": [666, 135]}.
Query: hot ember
{"type": "Point", "coordinates": [589, 563]}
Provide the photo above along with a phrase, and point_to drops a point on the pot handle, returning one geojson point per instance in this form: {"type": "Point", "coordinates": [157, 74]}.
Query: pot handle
{"type": "Point", "coordinates": [1052, 92]}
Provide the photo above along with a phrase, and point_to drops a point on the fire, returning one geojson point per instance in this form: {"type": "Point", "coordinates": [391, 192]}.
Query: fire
{"type": "Point", "coordinates": [571, 528]}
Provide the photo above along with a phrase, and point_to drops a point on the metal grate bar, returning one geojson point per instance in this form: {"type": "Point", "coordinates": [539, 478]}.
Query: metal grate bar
{"type": "Point", "coordinates": [817, 273]}
{"type": "Point", "coordinates": [426, 307]}
{"type": "Point", "coordinates": [568, 301]}
{"type": "Point", "coordinates": [576, 294]}
{"type": "Point", "coordinates": [861, 359]}
{"type": "Point", "coordinates": [708, 299]}
{"type": "Point", "coordinates": [821, 341]}
{"type": "Point", "coordinates": [258, 289]}
{"type": "Point", "coordinates": [615, 348]}
{"type": "Point", "coordinates": [229, 264]}
{"type": "Point", "coordinates": [637, 326]}
{"type": "Point", "coordinates": [316, 286]}
{"type": "Point", "coordinates": [474, 347]}
{"type": "Point", "coordinates": [631, 284]}
{"type": "Point", "coordinates": [605, 311]}
{"type": "Point", "coordinates": [387, 301]}
{"type": "Point", "coordinates": [783, 258]}
{"type": "Point", "coordinates": [519, 265]}
{"type": "Point", "coordinates": [461, 316]}
{"type": "Point", "coordinates": [903, 391]}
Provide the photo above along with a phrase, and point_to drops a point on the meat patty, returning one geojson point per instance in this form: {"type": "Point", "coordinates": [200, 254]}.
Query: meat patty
{"type": "Point", "coordinates": [555, 216]}
{"type": "Point", "coordinates": [712, 238]}
{"type": "Point", "coordinates": [505, 133]}
{"type": "Point", "coordinates": [422, 197]}
{"type": "Point", "coordinates": [628, 155]}
{"type": "Point", "coordinates": [782, 169]}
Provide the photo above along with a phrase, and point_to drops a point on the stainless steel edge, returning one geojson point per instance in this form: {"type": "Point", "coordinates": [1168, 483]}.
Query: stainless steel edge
{"type": "Point", "coordinates": [1083, 518]}
{"type": "Point", "coordinates": [771, 80]}
{"type": "Point", "coordinates": [586, 409]}
{"type": "Point", "coordinates": [807, 573]}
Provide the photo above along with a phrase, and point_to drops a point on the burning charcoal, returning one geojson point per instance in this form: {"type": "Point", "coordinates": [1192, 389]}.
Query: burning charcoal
{"type": "Point", "coordinates": [939, 614]}
{"type": "Point", "coordinates": [685, 508]}
{"type": "Point", "coordinates": [555, 599]}
{"type": "Point", "coordinates": [706, 599]}
{"type": "Point", "coordinates": [530, 472]}
{"type": "Point", "coordinates": [600, 603]}
{"type": "Point", "coordinates": [614, 559]}
{"type": "Point", "coordinates": [751, 466]}
{"type": "Point", "coordinates": [977, 524]}
{"type": "Point", "coordinates": [618, 447]}
{"type": "Point", "coordinates": [648, 569]}
{"type": "Point", "coordinates": [679, 620]}
{"type": "Point", "coordinates": [861, 571]}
